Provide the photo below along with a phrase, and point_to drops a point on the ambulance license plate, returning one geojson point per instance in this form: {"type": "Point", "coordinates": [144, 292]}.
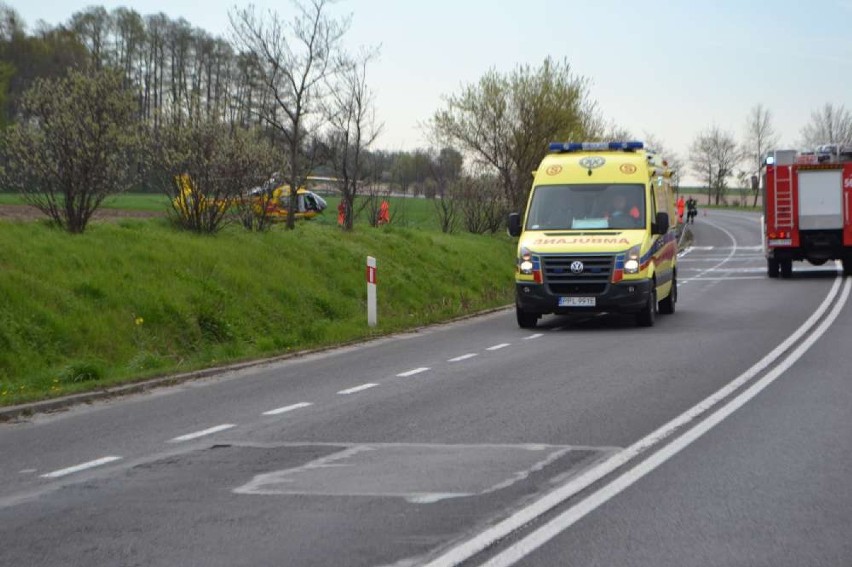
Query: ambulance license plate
{"type": "Point", "coordinates": [576, 302]}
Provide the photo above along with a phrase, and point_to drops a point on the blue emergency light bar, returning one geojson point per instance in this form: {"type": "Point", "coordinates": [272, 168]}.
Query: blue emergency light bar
{"type": "Point", "coordinates": [594, 146]}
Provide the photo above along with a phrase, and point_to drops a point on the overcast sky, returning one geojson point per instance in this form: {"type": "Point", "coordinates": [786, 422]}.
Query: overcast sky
{"type": "Point", "coordinates": [668, 68]}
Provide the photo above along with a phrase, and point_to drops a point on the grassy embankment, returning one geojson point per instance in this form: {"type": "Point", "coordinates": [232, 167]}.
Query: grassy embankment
{"type": "Point", "coordinates": [136, 298]}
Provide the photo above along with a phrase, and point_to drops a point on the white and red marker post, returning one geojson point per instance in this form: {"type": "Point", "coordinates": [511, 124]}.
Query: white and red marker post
{"type": "Point", "coordinates": [371, 291]}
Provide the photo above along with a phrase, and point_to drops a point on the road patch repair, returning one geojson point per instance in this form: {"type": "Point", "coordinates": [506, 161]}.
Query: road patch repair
{"type": "Point", "coordinates": [339, 499]}
{"type": "Point", "coordinates": [420, 474]}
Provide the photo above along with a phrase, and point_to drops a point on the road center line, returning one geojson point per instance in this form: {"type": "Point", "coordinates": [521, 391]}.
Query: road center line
{"type": "Point", "coordinates": [81, 467]}
{"type": "Point", "coordinates": [197, 434]}
{"type": "Point", "coordinates": [498, 347]}
{"type": "Point", "coordinates": [575, 513]}
{"type": "Point", "coordinates": [285, 409]}
{"type": "Point", "coordinates": [535, 336]}
{"type": "Point", "coordinates": [412, 372]}
{"type": "Point", "coordinates": [463, 357]}
{"type": "Point", "coordinates": [483, 540]}
{"type": "Point", "coordinates": [360, 388]}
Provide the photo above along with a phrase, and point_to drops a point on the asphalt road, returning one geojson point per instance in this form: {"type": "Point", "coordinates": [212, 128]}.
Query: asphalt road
{"type": "Point", "coordinates": [588, 441]}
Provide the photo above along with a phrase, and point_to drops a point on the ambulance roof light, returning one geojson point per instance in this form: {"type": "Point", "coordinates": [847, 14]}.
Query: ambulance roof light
{"type": "Point", "coordinates": [594, 146]}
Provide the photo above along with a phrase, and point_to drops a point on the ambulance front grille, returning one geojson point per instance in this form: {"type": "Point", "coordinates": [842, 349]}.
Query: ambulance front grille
{"type": "Point", "coordinates": [595, 275]}
{"type": "Point", "coordinates": [578, 289]}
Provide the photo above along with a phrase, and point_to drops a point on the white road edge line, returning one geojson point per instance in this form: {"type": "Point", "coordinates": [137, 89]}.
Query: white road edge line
{"type": "Point", "coordinates": [285, 409]}
{"type": "Point", "coordinates": [81, 467]}
{"type": "Point", "coordinates": [360, 388]}
{"type": "Point", "coordinates": [535, 336]}
{"type": "Point", "coordinates": [483, 540]}
{"type": "Point", "coordinates": [463, 357]}
{"type": "Point", "coordinates": [408, 373]}
{"type": "Point", "coordinates": [498, 347]}
{"type": "Point", "coordinates": [197, 434]}
{"type": "Point", "coordinates": [576, 512]}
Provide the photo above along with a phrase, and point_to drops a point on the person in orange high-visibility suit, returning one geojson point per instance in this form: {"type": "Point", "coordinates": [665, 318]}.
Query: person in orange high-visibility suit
{"type": "Point", "coordinates": [680, 206]}
{"type": "Point", "coordinates": [341, 213]}
{"type": "Point", "coordinates": [384, 213]}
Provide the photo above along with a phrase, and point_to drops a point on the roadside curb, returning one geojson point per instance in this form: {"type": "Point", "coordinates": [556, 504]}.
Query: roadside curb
{"type": "Point", "coordinates": [15, 412]}
{"type": "Point", "coordinates": [685, 237]}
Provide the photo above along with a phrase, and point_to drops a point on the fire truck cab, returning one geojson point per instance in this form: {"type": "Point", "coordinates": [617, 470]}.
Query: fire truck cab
{"type": "Point", "coordinates": [598, 235]}
{"type": "Point", "coordinates": [807, 202]}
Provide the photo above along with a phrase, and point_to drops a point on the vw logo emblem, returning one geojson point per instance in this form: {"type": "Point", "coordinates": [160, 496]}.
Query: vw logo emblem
{"type": "Point", "coordinates": [577, 267]}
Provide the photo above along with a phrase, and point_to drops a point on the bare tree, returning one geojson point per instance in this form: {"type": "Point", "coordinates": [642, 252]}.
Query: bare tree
{"type": "Point", "coordinates": [482, 205]}
{"type": "Point", "coordinates": [294, 60]}
{"type": "Point", "coordinates": [93, 26]}
{"type": "Point", "coordinates": [77, 144]}
{"type": "Point", "coordinates": [760, 137]}
{"type": "Point", "coordinates": [829, 125]}
{"type": "Point", "coordinates": [714, 155]}
{"type": "Point", "coordinates": [444, 172]}
{"type": "Point", "coordinates": [11, 23]}
{"type": "Point", "coordinates": [352, 130]}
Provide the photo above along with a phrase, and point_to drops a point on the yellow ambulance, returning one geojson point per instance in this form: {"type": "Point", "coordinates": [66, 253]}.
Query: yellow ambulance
{"type": "Point", "coordinates": [598, 235]}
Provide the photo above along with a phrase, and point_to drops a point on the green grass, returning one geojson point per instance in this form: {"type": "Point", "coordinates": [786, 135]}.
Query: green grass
{"type": "Point", "coordinates": [405, 212]}
{"type": "Point", "coordinates": [10, 199]}
{"type": "Point", "coordinates": [129, 201]}
{"type": "Point", "coordinates": [135, 298]}
{"type": "Point", "coordinates": [138, 202]}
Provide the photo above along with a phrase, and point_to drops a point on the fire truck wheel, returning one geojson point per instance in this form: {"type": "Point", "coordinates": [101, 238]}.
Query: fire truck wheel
{"type": "Point", "coordinates": [786, 268]}
{"type": "Point", "coordinates": [525, 320]}
{"type": "Point", "coordinates": [645, 318]}
{"type": "Point", "coordinates": [847, 266]}
{"type": "Point", "coordinates": [772, 267]}
{"type": "Point", "coordinates": [667, 304]}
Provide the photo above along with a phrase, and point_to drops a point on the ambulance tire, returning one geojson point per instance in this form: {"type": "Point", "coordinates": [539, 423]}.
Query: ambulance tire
{"type": "Point", "coordinates": [526, 320]}
{"type": "Point", "coordinates": [786, 268]}
{"type": "Point", "coordinates": [645, 318]}
{"type": "Point", "coordinates": [667, 304]}
{"type": "Point", "coordinates": [847, 266]}
{"type": "Point", "coordinates": [772, 267]}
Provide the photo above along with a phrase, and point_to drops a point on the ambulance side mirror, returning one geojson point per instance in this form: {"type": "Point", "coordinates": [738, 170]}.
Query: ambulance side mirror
{"type": "Point", "coordinates": [514, 224]}
{"type": "Point", "coordinates": [661, 224]}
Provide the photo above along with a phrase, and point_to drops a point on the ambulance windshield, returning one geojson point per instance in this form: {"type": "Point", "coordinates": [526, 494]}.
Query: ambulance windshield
{"type": "Point", "coordinates": [585, 207]}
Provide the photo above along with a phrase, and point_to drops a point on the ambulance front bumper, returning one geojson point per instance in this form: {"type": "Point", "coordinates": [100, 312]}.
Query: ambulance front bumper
{"type": "Point", "coordinates": [623, 297]}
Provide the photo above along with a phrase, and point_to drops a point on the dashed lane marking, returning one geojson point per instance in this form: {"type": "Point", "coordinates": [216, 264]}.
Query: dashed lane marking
{"type": "Point", "coordinates": [81, 467]}
{"type": "Point", "coordinates": [356, 389]}
{"type": "Point", "coordinates": [498, 347]}
{"type": "Point", "coordinates": [467, 549]}
{"type": "Point", "coordinates": [285, 409]}
{"type": "Point", "coordinates": [535, 336]}
{"type": "Point", "coordinates": [463, 357]}
{"type": "Point", "coordinates": [408, 373]}
{"type": "Point", "coordinates": [208, 431]}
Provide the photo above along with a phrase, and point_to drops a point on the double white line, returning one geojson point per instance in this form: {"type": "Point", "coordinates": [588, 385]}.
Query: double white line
{"type": "Point", "coordinates": [540, 536]}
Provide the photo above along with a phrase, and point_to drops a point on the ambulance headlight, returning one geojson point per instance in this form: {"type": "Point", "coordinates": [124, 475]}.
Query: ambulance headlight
{"type": "Point", "coordinates": [525, 261]}
{"type": "Point", "coordinates": [631, 264]}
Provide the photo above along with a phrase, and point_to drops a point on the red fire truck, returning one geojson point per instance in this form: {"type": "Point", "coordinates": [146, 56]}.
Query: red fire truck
{"type": "Point", "coordinates": [807, 202]}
